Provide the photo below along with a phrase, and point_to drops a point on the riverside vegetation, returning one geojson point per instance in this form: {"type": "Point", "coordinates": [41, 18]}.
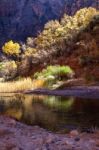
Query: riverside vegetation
{"type": "Point", "coordinates": [62, 59]}
{"type": "Point", "coordinates": [65, 49]}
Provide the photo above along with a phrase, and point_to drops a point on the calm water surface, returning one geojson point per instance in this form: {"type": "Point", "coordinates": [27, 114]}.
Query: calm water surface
{"type": "Point", "coordinates": [50, 112]}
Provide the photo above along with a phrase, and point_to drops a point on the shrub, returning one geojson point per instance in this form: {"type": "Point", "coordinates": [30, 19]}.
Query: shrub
{"type": "Point", "coordinates": [83, 16]}
{"type": "Point", "coordinates": [54, 72]}
{"type": "Point", "coordinates": [11, 48]}
{"type": "Point", "coordinates": [8, 70]}
{"type": "Point", "coordinates": [52, 75]}
{"type": "Point", "coordinates": [53, 25]}
{"type": "Point", "coordinates": [30, 51]}
{"type": "Point", "coordinates": [67, 29]}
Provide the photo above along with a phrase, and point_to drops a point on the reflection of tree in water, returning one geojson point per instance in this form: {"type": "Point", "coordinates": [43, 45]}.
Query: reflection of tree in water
{"type": "Point", "coordinates": [50, 112]}
{"type": "Point", "coordinates": [59, 102]}
{"type": "Point", "coordinates": [11, 106]}
{"type": "Point", "coordinates": [45, 113]}
{"type": "Point", "coordinates": [36, 113]}
{"type": "Point", "coordinates": [35, 110]}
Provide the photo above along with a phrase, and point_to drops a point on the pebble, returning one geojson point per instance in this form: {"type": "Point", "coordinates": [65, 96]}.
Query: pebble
{"type": "Point", "coordinates": [74, 133]}
{"type": "Point", "coordinates": [39, 139]}
{"type": "Point", "coordinates": [12, 122]}
{"type": "Point", "coordinates": [4, 132]}
{"type": "Point", "coordinates": [77, 139]}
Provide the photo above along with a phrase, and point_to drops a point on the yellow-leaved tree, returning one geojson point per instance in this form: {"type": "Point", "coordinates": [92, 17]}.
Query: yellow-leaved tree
{"type": "Point", "coordinates": [11, 48]}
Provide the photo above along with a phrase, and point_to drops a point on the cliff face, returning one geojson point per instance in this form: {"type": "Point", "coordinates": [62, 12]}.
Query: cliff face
{"type": "Point", "coordinates": [22, 18]}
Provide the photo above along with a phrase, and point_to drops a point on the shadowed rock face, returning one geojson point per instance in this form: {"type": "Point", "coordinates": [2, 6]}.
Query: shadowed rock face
{"type": "Point", "coordinates": [22, 18]}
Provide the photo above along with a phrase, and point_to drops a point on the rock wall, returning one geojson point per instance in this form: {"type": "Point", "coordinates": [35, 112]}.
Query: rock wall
{"type": "Point", "coordinates": [22, 18]}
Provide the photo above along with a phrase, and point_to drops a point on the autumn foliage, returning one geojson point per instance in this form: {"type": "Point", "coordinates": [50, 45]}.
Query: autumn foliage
{"type": "Point", "coordinates": [11, 48]}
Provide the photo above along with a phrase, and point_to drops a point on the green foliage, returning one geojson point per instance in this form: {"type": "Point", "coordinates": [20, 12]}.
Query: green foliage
{"type": "Point", "coordinates": [54, 75]}
{"type": "Point", "coordinates": [60, 104]}
{"type": "Point", "coordinates": [53, 72]}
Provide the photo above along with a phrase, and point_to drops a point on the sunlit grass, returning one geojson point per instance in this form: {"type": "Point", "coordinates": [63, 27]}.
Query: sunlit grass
{"type": "Point", "coordinates": [20, 85]}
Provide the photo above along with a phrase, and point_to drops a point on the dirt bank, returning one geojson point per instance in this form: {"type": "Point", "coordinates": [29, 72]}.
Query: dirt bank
{"type": "Point", "coordinates": [77, 91]}
{"type": "Point", "coordinates": [17, 136]}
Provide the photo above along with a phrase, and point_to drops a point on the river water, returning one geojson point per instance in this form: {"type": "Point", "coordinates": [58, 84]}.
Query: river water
{"type": "Point", "coordinates": [58, 114]}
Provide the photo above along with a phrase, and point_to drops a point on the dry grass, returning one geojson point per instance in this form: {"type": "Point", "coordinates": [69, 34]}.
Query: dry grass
{"type": "Point", "coordinates": [21, 85]}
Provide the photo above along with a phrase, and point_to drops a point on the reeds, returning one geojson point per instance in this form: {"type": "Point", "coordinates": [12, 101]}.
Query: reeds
{"type": "Point", "coordinates": [20, 85]}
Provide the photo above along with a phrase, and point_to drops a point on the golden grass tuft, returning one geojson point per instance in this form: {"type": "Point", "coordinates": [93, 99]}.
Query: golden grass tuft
{"type": "Point", "coordinates": [20, 85]}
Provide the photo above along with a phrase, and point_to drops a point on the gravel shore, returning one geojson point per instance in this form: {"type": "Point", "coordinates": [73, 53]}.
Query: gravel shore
{"type": "Point", "coordinates": [18, 136]}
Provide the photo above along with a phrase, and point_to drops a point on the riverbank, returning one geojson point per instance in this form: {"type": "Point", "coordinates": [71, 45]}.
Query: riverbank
{"type": "Point", "coordinates": [76, 91]}
{"type": "Point", "coordinates": [18, 136]}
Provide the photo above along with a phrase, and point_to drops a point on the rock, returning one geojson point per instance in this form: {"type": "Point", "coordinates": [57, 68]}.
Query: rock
{"type": "Point", "coordinates": [49, 139]}
{"type": "Point", "coordinates": [77, 139]}
{"type": "Point", "coordinates": [4, 132]}
{"type": "Point", "coordinates": [12, 122]}
{"type": "Point", "coordinates": [44, 140]}
{"type": "Point", "coordinates": [74, 133]}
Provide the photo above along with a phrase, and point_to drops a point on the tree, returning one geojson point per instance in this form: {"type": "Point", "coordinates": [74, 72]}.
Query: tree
{"type": "Point", "coordinates": [11, 48]}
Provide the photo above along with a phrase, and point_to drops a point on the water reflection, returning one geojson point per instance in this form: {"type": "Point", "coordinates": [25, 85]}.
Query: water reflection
{"type": "Point", "coordinates": [50, 112]}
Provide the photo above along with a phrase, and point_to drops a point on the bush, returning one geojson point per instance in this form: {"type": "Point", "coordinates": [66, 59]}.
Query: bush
{"type": "Point", "coordinates": [54, 72]}
{"type": "Point", "coordinates": [11, 48]}
{"type": "Point", "coordinates": [83, 16]}
{"type": "Point", "coordinates": [8, 70]}
{"type": "Point", "coordinates": [52, 75]}
{"type": "Point", "coordinates": [30, 51]}
{"type": "Point", "coordinates": [55, 33]}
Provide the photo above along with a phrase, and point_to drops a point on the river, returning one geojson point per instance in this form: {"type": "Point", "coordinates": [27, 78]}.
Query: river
{"type": "Point", "coordinates": [53, 113]}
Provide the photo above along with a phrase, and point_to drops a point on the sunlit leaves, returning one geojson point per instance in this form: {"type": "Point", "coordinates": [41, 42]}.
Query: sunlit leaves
{"type": "Point", "coordinates": [11, 48]}
{"type": "Point", "coordinates": [66, 29]}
